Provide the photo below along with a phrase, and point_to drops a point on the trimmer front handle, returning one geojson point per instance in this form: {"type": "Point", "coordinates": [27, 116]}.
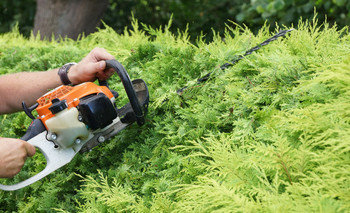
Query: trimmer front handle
{"type": "Point", "coordinates": [129, 89]}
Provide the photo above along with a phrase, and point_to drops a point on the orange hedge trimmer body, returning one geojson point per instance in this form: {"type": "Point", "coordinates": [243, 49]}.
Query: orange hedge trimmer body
{"type": "Point", "coordinates": [71, 94]}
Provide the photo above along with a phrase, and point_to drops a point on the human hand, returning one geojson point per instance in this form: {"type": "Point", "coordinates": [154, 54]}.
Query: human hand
{"type": "Point", "coordinates": [13, 154]}
{"type": "Point", "coordinates": [91, 67]}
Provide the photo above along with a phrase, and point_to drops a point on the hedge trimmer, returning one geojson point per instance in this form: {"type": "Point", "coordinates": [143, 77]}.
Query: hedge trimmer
{"type": "Point", "coordinates": [76, 119]}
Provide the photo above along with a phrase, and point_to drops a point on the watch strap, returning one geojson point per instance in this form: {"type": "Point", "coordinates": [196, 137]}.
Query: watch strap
{"type": "Point", "coordinates": [63, 73]}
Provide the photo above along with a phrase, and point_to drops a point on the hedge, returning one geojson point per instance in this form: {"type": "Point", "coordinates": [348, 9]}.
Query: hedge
{"type": "Point", "coordinates": [270, 134]}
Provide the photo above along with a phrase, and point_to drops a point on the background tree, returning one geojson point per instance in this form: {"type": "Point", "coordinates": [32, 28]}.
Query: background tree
{"type": "Point", "coordinates": [68, 17]}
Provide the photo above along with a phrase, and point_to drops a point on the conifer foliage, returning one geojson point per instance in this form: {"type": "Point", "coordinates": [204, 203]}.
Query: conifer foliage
{"type": "Point", "coordinates": [270, 134]}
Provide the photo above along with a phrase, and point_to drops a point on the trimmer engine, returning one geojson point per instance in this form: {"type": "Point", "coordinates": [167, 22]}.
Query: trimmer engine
{"type": "Point", "coordinates": [69, 112]}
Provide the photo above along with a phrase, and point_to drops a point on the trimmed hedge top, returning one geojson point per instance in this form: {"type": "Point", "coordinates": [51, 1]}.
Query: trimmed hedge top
{"type": "Point", "coordinates": [270, 134]}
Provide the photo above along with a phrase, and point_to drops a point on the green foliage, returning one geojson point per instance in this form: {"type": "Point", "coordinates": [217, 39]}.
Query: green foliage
{"type": "Point", "coordinates": [201, 16]}
{"type": "Point", "coordinates": [270, 134]}
{"type": "Point", "coordinates": [17, 12]}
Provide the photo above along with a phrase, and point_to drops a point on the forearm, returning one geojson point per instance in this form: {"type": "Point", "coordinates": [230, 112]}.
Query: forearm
{"type": "Point", "coordinates": [25, 86]}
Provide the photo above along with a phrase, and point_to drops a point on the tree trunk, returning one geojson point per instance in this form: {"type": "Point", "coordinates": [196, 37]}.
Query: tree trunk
{"type": "Point", "coordinates": [68, 17]}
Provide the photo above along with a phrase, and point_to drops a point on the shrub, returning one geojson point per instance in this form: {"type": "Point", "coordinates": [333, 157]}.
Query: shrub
{"type": "Point", "coordinates": [268, 134]}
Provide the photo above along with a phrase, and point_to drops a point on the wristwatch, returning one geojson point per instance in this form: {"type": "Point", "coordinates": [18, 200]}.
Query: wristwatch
{"type": "Point", "coordinates": [63, 73]}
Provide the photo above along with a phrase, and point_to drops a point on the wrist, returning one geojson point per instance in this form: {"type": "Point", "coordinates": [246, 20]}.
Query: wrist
{"type": "Point", "coordinates": [72, 75]}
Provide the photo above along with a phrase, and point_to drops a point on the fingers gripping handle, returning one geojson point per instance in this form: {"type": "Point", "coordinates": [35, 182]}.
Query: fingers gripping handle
{"type": "Point", "coordinates": [55, 158]}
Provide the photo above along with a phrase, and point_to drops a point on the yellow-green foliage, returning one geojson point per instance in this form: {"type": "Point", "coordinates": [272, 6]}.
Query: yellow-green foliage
{"type": "Point", "coordinates": [270, 134]}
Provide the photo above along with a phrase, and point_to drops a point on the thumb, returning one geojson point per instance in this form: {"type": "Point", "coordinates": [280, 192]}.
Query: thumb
{"type": "Point", "coordinates": [30, 149]}
{"type": "Point", "coordinates": [101, 65]}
